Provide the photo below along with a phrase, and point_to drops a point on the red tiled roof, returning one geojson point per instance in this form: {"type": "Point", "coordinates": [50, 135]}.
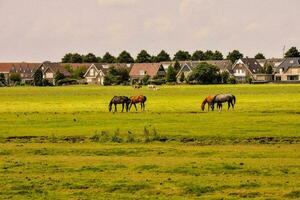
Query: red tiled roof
{"type": "Point", "coordinates": [151, 69]}
{"type": "Point", "coordinates": [77, 65]}
{"type": "Point", "coordinates": [7, 67]}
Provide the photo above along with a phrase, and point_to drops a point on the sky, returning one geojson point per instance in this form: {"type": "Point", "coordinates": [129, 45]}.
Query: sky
{"type": "Point", "coordinates": [39, 30]}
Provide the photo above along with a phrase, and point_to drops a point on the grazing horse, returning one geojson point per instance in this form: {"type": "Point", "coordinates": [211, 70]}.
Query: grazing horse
{"type": "Point", "coordinates": [125, 101]}
{"type": "Point", "coordinates": [208, 100]}
{"type": "Point", "coordinates": [138, 99]}
{"type": "Point", "coordinates": [222, 98]}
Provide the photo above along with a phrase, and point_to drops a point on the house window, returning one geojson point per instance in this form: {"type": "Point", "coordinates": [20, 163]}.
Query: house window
{"type": "Point", "coordinates": [293, 78]}
{"type": "Point", "coordinates": [92, 72]}
{"type": "Point", "coordinates": [142, 72]}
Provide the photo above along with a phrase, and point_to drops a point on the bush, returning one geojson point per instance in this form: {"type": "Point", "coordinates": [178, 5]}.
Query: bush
{"type": "Point", "coordinates": [59, 76]}
{"type": "Point", "coordinates": [158, 81]}
{"type": "Point", "coordinates": [146, 79]}
{"type": "Point", "coordinates": [232, 80]}
{"type": "Point", "coordinates": [2, 79]}
{"type": "Point", "coordinates": [15, 78]}
{"type": "Point", "coordinates": [45, 82]}
{"type": "Point", "coordinates": [67, 81]}
{"type": "Point", "coordinates": [249, 79]}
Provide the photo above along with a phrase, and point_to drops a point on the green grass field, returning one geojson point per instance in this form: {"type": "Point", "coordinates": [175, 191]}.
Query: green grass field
{"type": "Point", "coordinates": [61, 142]}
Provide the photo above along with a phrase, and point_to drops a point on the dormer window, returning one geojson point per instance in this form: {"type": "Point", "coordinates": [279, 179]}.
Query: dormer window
{"type": "Point", "coordinates": [291, 61]}
{"type": "Point", "coordinates": [143, 72]}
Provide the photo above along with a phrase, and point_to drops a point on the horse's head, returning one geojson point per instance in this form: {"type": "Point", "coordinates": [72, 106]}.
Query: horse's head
{"type": "Point", "coordinates": [203, 104]}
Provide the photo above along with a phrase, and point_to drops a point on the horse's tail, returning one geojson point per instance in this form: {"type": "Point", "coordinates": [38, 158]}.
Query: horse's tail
{"type": "Point", "coordinates": [145, 99]}
{"type": "Point", "coordinates": [234, 99]}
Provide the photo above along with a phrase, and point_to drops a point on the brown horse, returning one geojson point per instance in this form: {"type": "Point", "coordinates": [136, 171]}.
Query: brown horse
{"type": "Point", "coordinates": [138, 99]}
{"type": "Point", "coordinates": [208, 100]}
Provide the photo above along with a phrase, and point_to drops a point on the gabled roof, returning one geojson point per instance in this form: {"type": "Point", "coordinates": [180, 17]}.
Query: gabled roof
{"type": "Point", "coordinates": [54, 67]}
{"type": "Point", "coordinates": [151, 69]}
{"type": "Point", "coordinates": [289, 62]}
{"type": "Point", "coordinates": [251, 64]}
{"type": "Point", "coordinates": [17, 67]}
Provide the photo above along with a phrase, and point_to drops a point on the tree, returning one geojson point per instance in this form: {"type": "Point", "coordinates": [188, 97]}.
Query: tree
{"type": "Point", "coordinates": [267, 69]}
{"type": "Point", "coordinates": [108, 58]}
{"type": "Point", "coordinates": [292, 52]}
{"type": "Point", "coordinates": [162, 56]}
{"type": "Point", "coordinates": [89, 58]}
{"type": "Point", "coordinates": [116, 76]}
{"type": "Point", "coordinates": [182, 56]}
{"type": "Point", "coordinates": [76, 58]}
{"type": "Point", "coordinates": [38, 78]}
{"type": "Point", "coordinates": [198, 55]}
{"type": "Point", "coordinates": [224, 77]}
{"type": "Point", "coordinates": [182, 77]}
{"type": "Point", "coordinates": [217, 55]}
{"type": "Point", "coordinates": [59, 76]}
{"type": "Point", "coordinates": [2, 79]}
{"type": "Point", "coordinates": [259, 56]}
{"type": "Point", "coordinates": [99, 59]}
{"type": "Point", "coordinates": [67, 58]}
{"type": "Point", "coordinates": [234, 55]}
{"type": "Point", "coordinates": [208, 55]}
{"type": "Point", "coordinates": [78, 73]}
{"type": "Point", "coordinates": [171, 75]}
{"type": "Point", "coordinates": [204, 73]}
{"type": "Point", "coordinates": [177, 66]}
{"type": "Point", "coordinates": [143, 57]}
{"type": "Point", "coordinates": [125, 57]}
{"type": "Point", "coordinates": [146, 79]}
{"type": "Point", "coordinates": [15, 78]}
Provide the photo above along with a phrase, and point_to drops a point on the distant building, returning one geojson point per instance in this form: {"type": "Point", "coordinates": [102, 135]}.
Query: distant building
{"type": "Point", "coordinates": [187, 67]}
{"type": "Point", "coordinates": [140, 70]}
{"type": "Point", "coordinates": [96, 72]}
{"type": "Point", "coordinates": [24, 69]}
{"type": "Point", "coordinates": [49, 71]}
{"type": "Point", "coordinates": [288, 70]}
{"type": "Point", "coordinates": [250, 68]}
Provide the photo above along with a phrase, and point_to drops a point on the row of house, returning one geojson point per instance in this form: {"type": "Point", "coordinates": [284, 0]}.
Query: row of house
{"type": "Point", "coordinates": [284, 70]}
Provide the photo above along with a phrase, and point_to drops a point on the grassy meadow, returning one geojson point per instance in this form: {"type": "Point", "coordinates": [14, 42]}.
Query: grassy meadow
{"type": "Point", "coordinates": [62, 143]}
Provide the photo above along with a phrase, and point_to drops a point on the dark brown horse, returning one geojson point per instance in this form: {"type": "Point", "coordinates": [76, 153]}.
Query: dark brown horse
{"type": "Point", "coordinates": [222, 98]}
{"type": "Point", "coordinates": [138, 99]}
{"type": "Point", "coordinates": [208, 100]}
{"type": "Point", "coordinates": [125, 101]}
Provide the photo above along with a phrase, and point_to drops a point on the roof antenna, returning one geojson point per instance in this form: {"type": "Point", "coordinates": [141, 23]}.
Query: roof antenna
{"type": "Point", "coordinates": [283, 51]}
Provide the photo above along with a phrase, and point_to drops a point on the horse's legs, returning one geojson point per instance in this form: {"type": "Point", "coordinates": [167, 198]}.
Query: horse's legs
{"type": "Point", "coordinates": [232, 104]}
{"type": "Point", "coordinates": [135, 107]}
{"type": "Point", "coordinates": [122, 107]}
{"type": "Point", "coordinates": [144, 106]}
{"type": "Point", "coordinates": [228, 105]}
{"type": "Point", "coordinates": [115, 107]}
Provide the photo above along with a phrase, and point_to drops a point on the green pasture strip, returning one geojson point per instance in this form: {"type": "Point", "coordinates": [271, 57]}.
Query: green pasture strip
{"type": "Point", "coordinates": [261, 110]}
{"type": "Point", "coordinates": [148, 171]}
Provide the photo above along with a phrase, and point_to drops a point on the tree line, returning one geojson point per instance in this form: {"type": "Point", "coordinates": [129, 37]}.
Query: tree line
{"type": "Point", "coordinates": [144, 57]}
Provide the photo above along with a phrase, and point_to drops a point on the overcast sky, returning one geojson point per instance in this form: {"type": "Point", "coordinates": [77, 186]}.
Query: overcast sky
{"type": "Point", "coordinates": [38, 30]}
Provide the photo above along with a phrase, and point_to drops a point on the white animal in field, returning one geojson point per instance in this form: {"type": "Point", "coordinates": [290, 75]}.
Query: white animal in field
{"type": "Point", "coordinates": [153, 87]}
